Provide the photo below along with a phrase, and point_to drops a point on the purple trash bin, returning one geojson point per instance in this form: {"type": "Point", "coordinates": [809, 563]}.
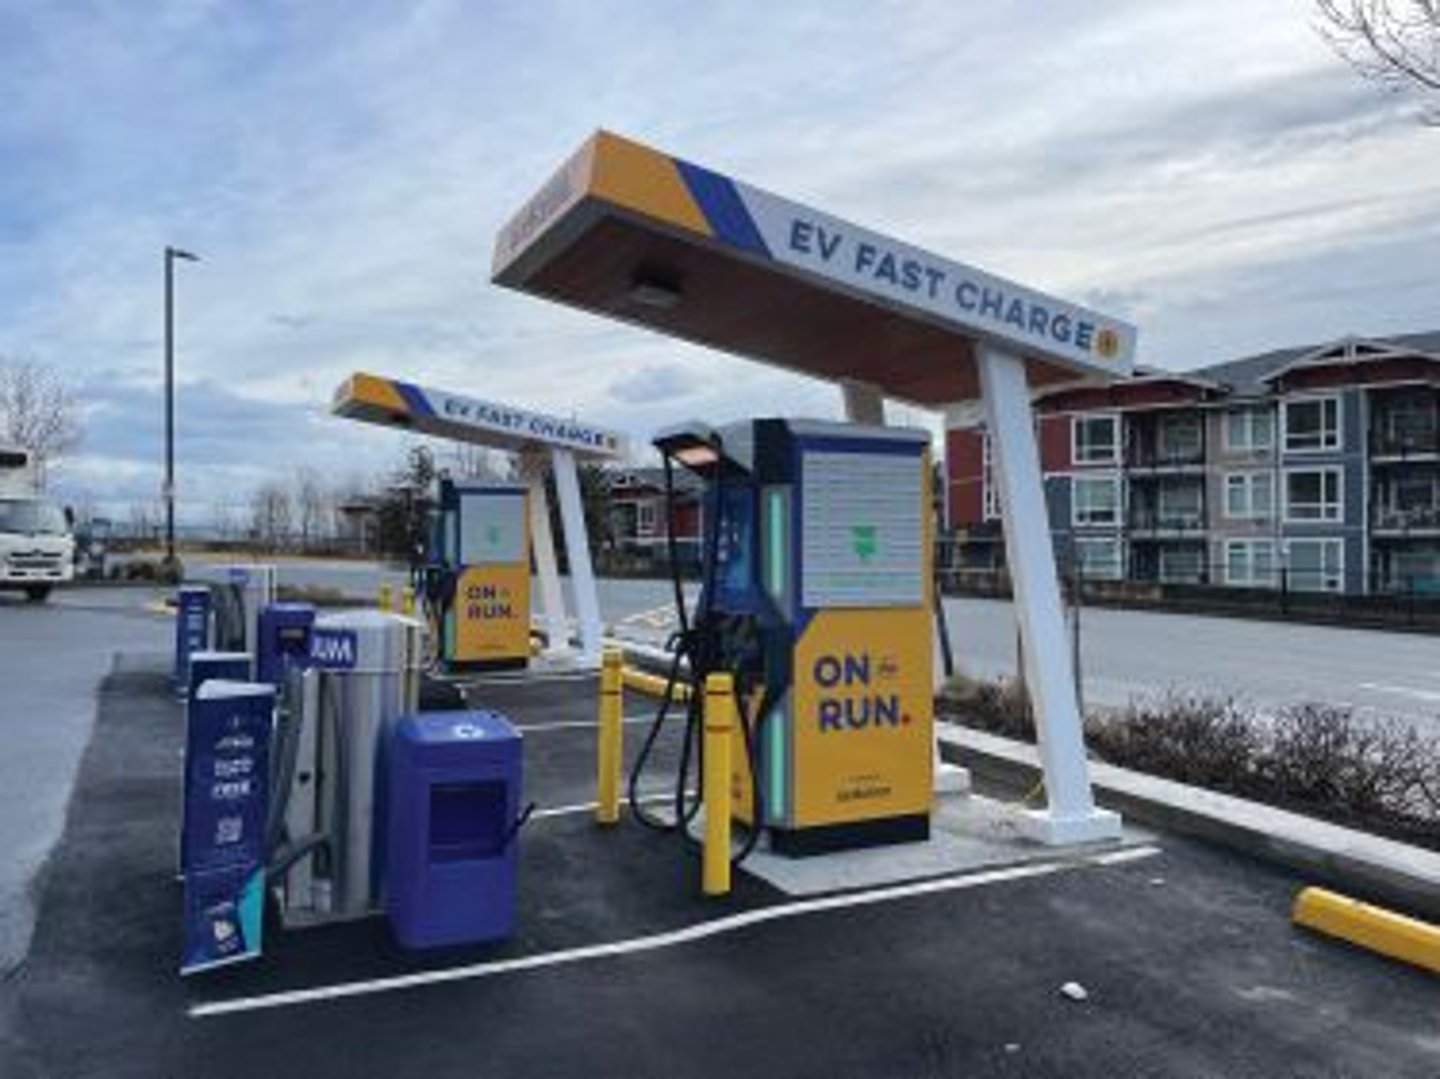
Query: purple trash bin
{"type": "Point", "coordinates": [452, 828]}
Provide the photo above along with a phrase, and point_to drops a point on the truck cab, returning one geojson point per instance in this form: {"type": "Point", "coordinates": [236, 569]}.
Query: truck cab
{"type": "Point", "coordinates": [37, 548]}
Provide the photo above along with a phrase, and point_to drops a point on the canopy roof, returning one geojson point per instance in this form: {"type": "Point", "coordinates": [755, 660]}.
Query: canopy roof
{"type": "Point", "coordinates": [393, 403]}
{"type": "Point", "coordinates": [629, 232]}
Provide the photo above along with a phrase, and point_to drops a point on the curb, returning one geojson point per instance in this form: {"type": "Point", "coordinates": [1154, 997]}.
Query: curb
{"type": "Point", "coordinates": [1396, 873]}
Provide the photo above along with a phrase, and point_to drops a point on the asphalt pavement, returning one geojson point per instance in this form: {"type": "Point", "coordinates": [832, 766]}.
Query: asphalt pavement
{"type": "Point", "coordinates": [1186, 957]}
{"type": "Point", "coordinates": [52, 657]}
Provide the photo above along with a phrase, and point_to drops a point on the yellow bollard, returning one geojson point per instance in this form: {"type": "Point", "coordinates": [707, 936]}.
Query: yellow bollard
{"type": "Point", "coordinates": [385, 600]}
{"type": "Point", "coordinates": [719, 728]}
{"type": "Point", "coordinates": [612, 703]}
{"type": "Point", "coordinates": [407, 602]}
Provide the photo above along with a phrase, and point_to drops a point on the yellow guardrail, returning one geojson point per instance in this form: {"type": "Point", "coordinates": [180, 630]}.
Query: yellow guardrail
{"type": "Point", "coordinates": [652, 685]}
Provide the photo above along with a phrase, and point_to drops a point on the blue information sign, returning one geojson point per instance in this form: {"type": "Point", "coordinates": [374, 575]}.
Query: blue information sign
{"type": "Point", "coordinates": [227, 768]}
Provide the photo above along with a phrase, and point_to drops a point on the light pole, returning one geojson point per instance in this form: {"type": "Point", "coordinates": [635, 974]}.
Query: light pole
{"type": "Point", "coordinates": [171, 254]}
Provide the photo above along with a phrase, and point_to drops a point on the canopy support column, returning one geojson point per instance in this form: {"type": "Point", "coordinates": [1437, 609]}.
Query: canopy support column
{"type": "Point", "coordinates": [542, 543]}
{"type": "Point", "coordinates": [577, 550]}
{"type": "Point", "coordinates": [1071, 815]}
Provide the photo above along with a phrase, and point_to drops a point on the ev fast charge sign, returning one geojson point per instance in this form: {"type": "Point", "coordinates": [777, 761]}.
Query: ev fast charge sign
{"type": "Point", "coordinates": [871, 264]}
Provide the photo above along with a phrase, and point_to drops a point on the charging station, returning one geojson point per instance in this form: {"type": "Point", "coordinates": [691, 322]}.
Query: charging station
{"type": "Point", "coordinates": [479, 575]}
{"type": "Point", "coordinates": [629, 232]}
{"type": "Point", "coordinates": [815, 597]}
{"type": "Point", "coordinates": [477, 534]}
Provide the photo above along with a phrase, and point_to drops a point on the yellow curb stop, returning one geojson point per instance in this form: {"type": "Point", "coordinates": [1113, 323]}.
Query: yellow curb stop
{"type": "Point", "coordinates": [1374, 928]}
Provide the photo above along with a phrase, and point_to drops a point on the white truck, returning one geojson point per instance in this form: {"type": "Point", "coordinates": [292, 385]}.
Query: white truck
{"type": "Point", "coordinates": [37, 548]}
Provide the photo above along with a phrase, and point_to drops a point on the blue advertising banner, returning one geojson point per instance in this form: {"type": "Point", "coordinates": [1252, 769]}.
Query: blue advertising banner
{"type": "Point", "coordinates": [227, 768]}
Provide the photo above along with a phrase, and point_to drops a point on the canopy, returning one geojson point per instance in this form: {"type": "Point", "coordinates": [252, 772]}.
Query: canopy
{"type": "Point", "coordinates": [627, 231]}
{"type": "Point", "coordinates": [425, 411]}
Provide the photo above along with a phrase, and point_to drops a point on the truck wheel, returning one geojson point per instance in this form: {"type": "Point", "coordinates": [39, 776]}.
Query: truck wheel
{"type": "Point", "coordinates": [37, 593]}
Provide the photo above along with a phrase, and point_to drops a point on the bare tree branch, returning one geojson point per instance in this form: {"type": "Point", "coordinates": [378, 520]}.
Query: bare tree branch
{"type": "Point", "coordinates": [1394, 43]}
{"type": "Point", "coordinates": [37, 411]}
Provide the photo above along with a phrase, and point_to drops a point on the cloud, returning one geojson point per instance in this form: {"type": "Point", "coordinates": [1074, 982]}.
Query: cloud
{"type": "Point", "coordinates": [655, 382]}
{"type": "Point", "coordinates": [1210, 171]}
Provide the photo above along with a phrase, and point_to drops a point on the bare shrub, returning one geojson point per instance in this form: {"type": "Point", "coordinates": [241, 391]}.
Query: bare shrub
{"type": "Point", "coordinates": [1323, 755]}
{"type": "Point", "coordinates": [1312, 758]}
{"type": "Point", "coordinates": [1207, 741]}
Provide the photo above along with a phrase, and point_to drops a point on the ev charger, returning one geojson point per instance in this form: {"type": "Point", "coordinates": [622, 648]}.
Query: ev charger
{"type": "Point", "coordinates": [477, 583]}
{"type": "Point", "coordinates": [816, 596]}
{"type": "Point", "coordinates": [238, 593]}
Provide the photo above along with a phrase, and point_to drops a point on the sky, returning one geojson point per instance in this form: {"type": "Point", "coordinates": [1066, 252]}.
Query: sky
{"type": "Point", "coordinates": [1206, 169]}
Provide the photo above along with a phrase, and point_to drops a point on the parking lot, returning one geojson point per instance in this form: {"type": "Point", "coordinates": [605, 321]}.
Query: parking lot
{"type": "Point", "coordinates": [1187, 956]}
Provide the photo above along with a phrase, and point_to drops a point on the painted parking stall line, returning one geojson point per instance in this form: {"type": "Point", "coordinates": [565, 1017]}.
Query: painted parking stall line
{"type": "Point", "coordinates": [714, 927]}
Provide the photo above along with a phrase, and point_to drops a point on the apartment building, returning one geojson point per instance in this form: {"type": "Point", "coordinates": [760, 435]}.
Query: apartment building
{"type": "Point", "coordinates": [1312, 469]}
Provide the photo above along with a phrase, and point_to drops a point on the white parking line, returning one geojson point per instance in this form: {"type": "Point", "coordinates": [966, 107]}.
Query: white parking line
{"type": "Point", "coordinates": [590, 807]}
{"type": "Point", "coordinates": [576, 724]}
{"type": "Point", "coordinates": [689, 934]}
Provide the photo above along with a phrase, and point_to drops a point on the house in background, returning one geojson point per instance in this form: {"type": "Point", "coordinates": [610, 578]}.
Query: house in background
{"type": "Point", "coordinates": [1312, 469]}
{"type": "Point", "coordinates": [638, 519]}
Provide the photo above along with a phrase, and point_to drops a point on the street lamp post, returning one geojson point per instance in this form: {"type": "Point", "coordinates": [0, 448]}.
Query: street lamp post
{"type": "Point", "coordinates": [171, 254]}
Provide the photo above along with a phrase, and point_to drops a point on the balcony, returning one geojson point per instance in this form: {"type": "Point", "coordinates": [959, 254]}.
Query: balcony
{"type": "Point", "coordinates": [1417, 444]}
{"type": "Point", "coordinates": [1151, 459]}
{"type": "Point", "coordinates": [1405, 521]}
{"type": "Point", "coordinates": [1166, 522]}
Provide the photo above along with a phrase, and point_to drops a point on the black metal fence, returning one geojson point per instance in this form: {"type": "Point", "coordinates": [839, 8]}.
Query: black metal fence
{"type": "Point", "coordinates": [1398, 601]}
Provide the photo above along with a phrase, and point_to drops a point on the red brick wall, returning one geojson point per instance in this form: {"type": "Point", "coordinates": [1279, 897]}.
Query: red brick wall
{"type": "Point", "coordinates": [1055, 444]}
{"type": "Point", "coordinates": [964, 469]}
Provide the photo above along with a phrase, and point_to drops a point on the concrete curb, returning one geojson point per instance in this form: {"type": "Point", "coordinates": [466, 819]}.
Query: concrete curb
{"type": "Point", "coordinates": [1396, 873]}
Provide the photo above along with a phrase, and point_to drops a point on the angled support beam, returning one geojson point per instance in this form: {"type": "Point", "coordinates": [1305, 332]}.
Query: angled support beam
{"type": "Point", "coordinates": [1071, 816]}
{"type": "Point", "coordinates": [577, 550]}
{"type": "Point", "coordinates": [542, 544]}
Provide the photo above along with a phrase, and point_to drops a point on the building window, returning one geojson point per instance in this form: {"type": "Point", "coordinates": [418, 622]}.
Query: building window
{"type": "Point", "coordinates": [1182, 565]}
{"type": "Point", "coordinates": [1312, 494]}
{"type": "Point", "coordinates": [644, 518]}
{"type": "Point", "coordinates": [990, 494]}
{"type": "Point", "coordinates": [1096, 439]}
{"type": "Point", "coordinates": [1312, 424]}
{"type": "Point", "coordinates": [1096, 500]}
{"type": "Point", "coordinates": [1249, 496]}
{"type": "Point", "coordinates": [1315, 565]}
{"type": "Point", "coordinates": [1250, 563]}
{"type": "Point", "coordinates": [1099, 559]}
{"type": "Point", "coordinates": [1248, 430]}
{"type": "Point", "coordinates": [1181, 438]}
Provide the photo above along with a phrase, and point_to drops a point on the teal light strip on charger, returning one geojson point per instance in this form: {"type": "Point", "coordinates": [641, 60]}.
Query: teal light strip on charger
{"type": "Point", "coordinates": [775, 578]}
{"type": "Point", "coordinates": [775, 511]}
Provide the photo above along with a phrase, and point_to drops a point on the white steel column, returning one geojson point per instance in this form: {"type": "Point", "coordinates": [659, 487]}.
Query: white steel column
{"type": "Point", "coordinates": [577, 549]}
{"type": "Point", "coordinates": [863, 403]}
{"type": "Point", "coordinates": [542, 542]}
{"type": "Point", "coordinates": [1071, 815]}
